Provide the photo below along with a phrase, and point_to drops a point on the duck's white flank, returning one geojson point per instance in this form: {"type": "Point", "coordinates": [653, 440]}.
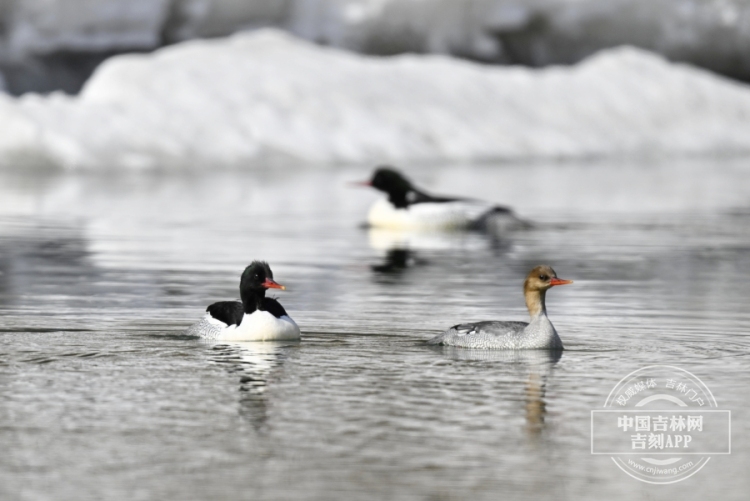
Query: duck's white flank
{"type": "Point", "coordinates": [427, 215]}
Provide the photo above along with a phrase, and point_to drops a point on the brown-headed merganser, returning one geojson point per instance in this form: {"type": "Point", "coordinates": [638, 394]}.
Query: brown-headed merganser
{"type": "Point", "coordinates": [255, 318]}
{"type": "Point", "coordinates": [539, 334]}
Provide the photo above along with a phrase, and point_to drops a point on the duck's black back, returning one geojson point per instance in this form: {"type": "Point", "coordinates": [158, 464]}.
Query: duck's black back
{"type": "Point", "coordinates": [229, 312]}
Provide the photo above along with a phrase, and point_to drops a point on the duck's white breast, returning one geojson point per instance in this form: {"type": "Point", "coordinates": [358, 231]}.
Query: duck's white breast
{"type": "Point", "coordinates": [262, 326]}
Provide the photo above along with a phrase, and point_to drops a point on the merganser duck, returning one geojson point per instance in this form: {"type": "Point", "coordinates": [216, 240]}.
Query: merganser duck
{"type": "Point", "coordinates": [410, 208]}
{"type": "Point", "coordinates": [539, 334]}
{"type": "Point", "coordinates": [256, 318]}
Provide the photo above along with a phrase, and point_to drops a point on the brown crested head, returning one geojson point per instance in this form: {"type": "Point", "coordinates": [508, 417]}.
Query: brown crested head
{"type": "Point", "coordinates": [542, 278]}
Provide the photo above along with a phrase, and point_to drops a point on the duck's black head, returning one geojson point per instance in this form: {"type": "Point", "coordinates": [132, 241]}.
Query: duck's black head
{"type": "Point", "coordinates": [399, 189]}
{"type": "Point", "coordinates": [390, 181]}
{"type": "Point", "coordinates": [256, 279]}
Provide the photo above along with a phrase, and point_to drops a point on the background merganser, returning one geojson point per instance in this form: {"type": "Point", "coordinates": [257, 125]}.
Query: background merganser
{"type": "Point", "coordinates": [410, 208]}
{"type": "Point", "coordinates": [256, 318]}
{"type": "Point", "coordinates": [539, 334]}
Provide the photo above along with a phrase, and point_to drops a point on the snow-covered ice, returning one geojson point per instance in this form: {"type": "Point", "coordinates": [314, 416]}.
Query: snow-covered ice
{"type": "Point", "coordinates": [265, 96]}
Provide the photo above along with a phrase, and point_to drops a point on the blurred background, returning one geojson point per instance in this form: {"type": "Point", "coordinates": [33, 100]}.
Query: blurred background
{"type": "Point", "coordinates": [49, 45]}
{"type": "Point", "coordinates": [307, 81]}
{"type": "Point", "coordinates": [150, 149]}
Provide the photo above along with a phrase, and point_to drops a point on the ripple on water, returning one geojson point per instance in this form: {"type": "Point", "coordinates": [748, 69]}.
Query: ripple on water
{"type": "Point", "coordinates": [100, 386]}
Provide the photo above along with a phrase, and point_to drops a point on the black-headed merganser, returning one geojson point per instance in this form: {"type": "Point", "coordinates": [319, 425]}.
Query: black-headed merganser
{"type": "Point", "coordinates": [409, 208]}
{"type": "Point", "coordinates": [539, 334]}
{"type": "Point", "coordinates": [256, 318]}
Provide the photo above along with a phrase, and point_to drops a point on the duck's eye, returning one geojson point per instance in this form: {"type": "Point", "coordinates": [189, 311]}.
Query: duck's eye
{"type": "Point", "coordinates": [543, 278]}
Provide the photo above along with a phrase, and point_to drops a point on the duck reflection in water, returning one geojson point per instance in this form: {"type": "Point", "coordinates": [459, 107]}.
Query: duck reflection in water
{"type": "Point", "coordinates": [402, 250]}
{"type": "Point", "coordinates": [536, 367]}
{"type": "Point", "coordinates": [257, 366]}
{"type": "Point", "coordinates": [396, 261]}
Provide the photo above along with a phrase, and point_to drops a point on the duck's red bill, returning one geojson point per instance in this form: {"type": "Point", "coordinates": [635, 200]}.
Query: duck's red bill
{"type": "Point", "coordinates": [360, 183]}
{"type": "Point", "coordinates": [270, 284]}
{"type": "Point", "coordinates": [557, 281]}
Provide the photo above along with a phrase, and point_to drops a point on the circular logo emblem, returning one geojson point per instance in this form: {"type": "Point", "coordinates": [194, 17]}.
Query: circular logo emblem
{"type": "Point", "coordinates": [660, 424]}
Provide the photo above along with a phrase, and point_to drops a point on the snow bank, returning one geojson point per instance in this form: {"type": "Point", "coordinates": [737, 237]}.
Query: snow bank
{"type": "Point", "coordinates": [265, 96]}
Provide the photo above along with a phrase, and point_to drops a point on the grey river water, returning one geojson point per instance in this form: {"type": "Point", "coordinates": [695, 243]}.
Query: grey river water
{"type": "Point", "coordinates": [103, 397]}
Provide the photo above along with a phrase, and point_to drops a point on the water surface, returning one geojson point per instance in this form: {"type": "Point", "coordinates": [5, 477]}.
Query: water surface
{"type": "Point", "coordinates": [103, 397]}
